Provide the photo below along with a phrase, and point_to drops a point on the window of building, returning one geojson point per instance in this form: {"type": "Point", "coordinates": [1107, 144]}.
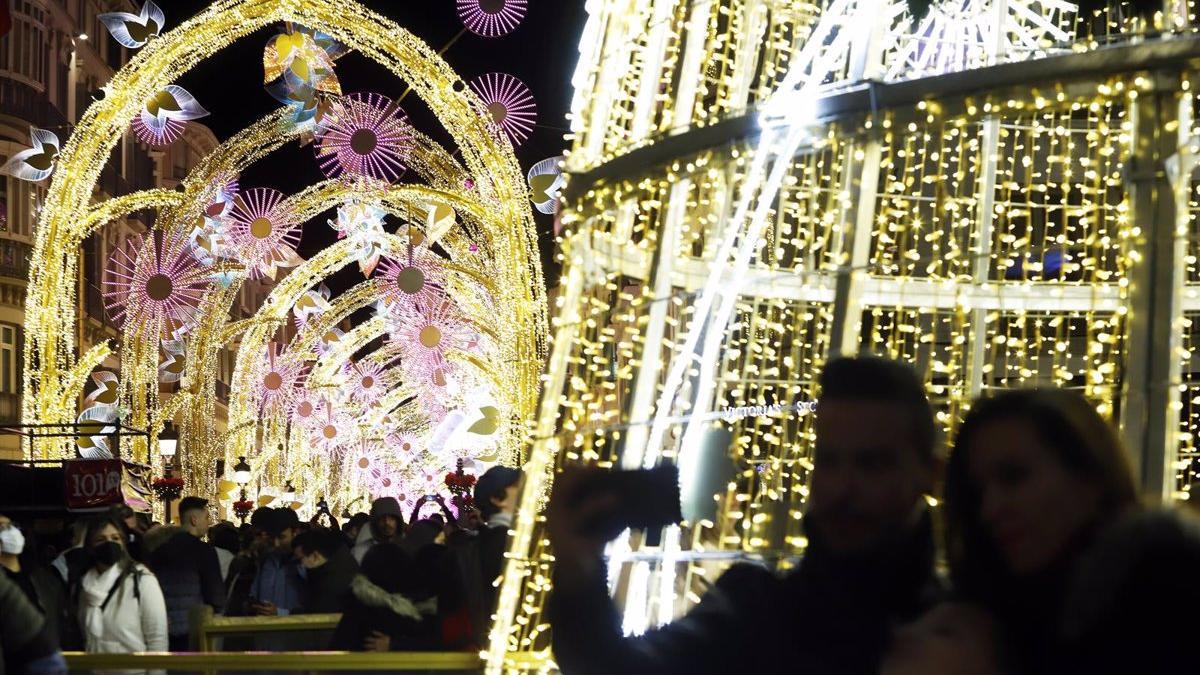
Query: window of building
{"type": "Point", "coordinates": [26, 51]}
{"type": "Point", "coordinates": [4, 203]}
{"type": "Point", "coordinates": [10, 358]}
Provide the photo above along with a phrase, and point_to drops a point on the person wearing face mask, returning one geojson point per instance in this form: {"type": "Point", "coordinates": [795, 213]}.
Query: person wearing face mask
{"type": "Point", "coordinates": [120, 604]}
{"type": "Point", "coordinates": [1045, 529]}
{"type": "Point", "coordinates": [41, 586]}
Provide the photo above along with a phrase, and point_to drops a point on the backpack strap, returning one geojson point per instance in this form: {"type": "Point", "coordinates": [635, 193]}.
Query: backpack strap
{"type": "Point", "coordinates": [116, 585]}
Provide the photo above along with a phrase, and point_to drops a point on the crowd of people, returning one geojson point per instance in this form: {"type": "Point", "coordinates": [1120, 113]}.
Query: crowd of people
{"type": "Point", "coordinates": [1041, 557]}
{"type": "Point", "coordinates": [1054, 563]}
{"type": "Point", "coordinates": [123, 584]}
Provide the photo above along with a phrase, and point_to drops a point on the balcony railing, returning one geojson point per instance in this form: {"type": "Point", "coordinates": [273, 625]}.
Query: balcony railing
{"type": "Point", "coordinates": [14, 259]}
{"type": "Point", "coordinates": [24, 102]}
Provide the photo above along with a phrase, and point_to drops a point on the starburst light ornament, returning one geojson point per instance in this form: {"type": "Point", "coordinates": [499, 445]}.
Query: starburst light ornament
{"type": "Point", "coordinates": [332, 431]}
{"type": "Point", "coordinates": [427, 333]}
{"type": "Point", "coordinates": [305, 409]}
{"type": "Point", "coordinates": [364, 462]}
{"type": "Point", "coordinates": [276, 379]}
{"type": "Point", "coordinates": [412, 278]}
{"type": "Point", "coordinates": [362, 224]}
{"type": "Point", "coordinates": [133, 31]}
{"type": "Point", "coordinates": [365, 135]}
{"type": "Point", "coordinates": [165, 116]}
{"type": "Point", "coordinates": [155, 284]}
{"type": "Point", "coordinates": [36, 163]}
{"type": "Point", "coordinates": [365, 379]}
{"type": "Point", "coordinates": [508, 103]}
{"type": "Point", "coordinates": [263, 232]}
{"type": "Point", "coordinates": [492, 18]}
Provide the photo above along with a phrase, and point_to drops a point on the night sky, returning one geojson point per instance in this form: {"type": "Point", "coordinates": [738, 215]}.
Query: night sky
{"type": "Point", "coordinates": [542, 52]}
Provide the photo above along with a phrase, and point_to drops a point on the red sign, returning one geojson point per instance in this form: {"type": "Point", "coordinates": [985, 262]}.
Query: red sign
{"type": "Point", "coordinates": [92, 483]}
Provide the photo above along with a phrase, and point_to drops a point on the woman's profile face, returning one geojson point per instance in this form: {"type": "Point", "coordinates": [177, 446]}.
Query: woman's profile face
{"type": "Point", "coordinates": [107, 533]}
{"type": "Point", "coordinates": [950, 639]}
{"type": "Point", "coordinates": [1032, 506]}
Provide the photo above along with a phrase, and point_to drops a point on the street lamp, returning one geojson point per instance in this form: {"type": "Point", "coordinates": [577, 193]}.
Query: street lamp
{"type": "Point", "coordinates": [241, 473]}
{"type": "Point", "coordinates": [241, 476]}
{"type": "Point", "coordinates": [168, 444]}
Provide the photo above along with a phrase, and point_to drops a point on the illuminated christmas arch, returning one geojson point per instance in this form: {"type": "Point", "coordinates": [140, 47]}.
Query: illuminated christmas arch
{"type": "Point", "coordinates": [55, 373]}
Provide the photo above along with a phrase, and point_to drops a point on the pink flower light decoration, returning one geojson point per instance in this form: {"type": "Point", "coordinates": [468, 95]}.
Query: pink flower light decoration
{"type": "Point", "coordinates": [426, 333]}
{"type": "Point", "coordinates": [364, 135]}
{"type": "Point", "coordinates": [364, 462]}
{"type": "Point", "coordinates": [366, 381]}
{"type": "Point", "coordinates": [492, 18]}
{"type": "Point", "coordinates": [155, 283]}
{"type": "Point", "coordinates": [413, 278]}
{"type": "Point", "coordinates": [276, 379]}
{"type": "Point", "coordinates": [305, 409]}
{"type": "Point", "coordinates": [332, 430]}
{"type": "Point", "coordinates": [509, 103]}
{"type": "Point", "coordinates": [263, 232]}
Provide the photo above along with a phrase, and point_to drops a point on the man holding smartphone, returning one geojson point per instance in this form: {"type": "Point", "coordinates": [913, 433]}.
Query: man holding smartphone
{"type": "Point", "coordinates": [869, 562]}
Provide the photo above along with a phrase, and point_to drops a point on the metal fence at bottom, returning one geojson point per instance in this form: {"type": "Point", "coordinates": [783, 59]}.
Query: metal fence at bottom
{"type": "Point", "coordinates": [278, 661]}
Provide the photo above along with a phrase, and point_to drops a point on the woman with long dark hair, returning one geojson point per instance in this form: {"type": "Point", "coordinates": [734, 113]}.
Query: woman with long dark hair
{"type": "Point", "coordinates": [1045, 528]}
{"type": "Point", "coordinates": [121, 607]}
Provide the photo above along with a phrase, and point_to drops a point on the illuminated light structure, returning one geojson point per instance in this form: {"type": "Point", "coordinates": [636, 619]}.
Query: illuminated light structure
{"type": "Point", "coordinates": [509, 104]}
{"type": "Point", "coordinates": [364, 135]}
{"type": "Point", "coordinates": [489, 242]}
{"type": "Point", "coordinates": [492, 18]}
{"type": "Point", "coordinates": [755, 187]}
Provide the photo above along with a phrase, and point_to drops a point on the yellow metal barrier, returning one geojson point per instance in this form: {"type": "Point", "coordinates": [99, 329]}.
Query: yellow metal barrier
{"type": "Point", "coordinates": [296, 661]}
{"type": "Point", "coordinates": [208, 627]}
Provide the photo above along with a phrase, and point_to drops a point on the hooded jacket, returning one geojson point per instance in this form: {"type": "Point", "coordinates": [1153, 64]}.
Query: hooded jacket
{"type": "Point", "coordinates": [832, 615]}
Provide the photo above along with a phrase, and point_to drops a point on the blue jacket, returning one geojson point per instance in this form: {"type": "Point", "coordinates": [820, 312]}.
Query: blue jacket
{"type": "Point", "coordinates": [279, 582]}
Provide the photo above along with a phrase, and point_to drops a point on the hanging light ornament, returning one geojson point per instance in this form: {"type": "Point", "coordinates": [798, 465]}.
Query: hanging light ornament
{"type": "Point", "coordinates": [263, 232]}
{"type": "Point", "coordinates": [276, 379]}
{"type": "Point", "coordinates": [546, 182]}
{"type": "Point", "coordinates": [362, 224]}
{"type": "Point", "coordinates": [312, 303]}
{"type": "Point", "coordinates": [133, 31]}
{"type": "Point", "coordinates": [364, 135]}
{"type": "Point", "coordinates": [365, 379]}
{"type": "Point", "coordinates": [165, 116]}
{"type": "Point", "coordinates": [427, 333]}
{"type": "Point", "coordinates": [492, 18]}
{"type": "Point", "coordinates": [208, 235]}
{"type": "Point", "coordinates": [305, 408]}
{"type": "Point", "coordinates": [413, 278]}
{"type": "Point", "coordinates": [364, 462]}
{"type": "Point", "coordinates": [332, 430]}
{"type": "Point", "coordinates": [100, 412]}
{"type": "Point", "coordinates": [172, 361]}
{"type": "Point", "coordinates": [155, 284]}
{"type": "Point", "coordinates": [508, 103]}
{"type": "Point", "coordinates": [298, 71]}
{"type": "Point", "coordinates": [36, 163]}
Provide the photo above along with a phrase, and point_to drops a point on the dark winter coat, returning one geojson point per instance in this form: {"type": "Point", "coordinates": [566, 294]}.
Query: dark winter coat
{"type": "Point", "coordinates": [371, 608]}
{"type": "Point", "coordinates": [46, 591]}
{"type": "Point", "coordinates": [832, 615]}
{"type": "Point", "coordinates": [190, 575]}
{"type": "Point", "coordinates": [1130, 606]}
{"type": "Point", "coordinates": [23, 638]}
{"type": "Point", "coordinates": [328, 586]}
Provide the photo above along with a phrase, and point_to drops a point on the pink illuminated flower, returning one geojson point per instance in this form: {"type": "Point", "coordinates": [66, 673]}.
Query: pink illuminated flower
{"type": "Point", "coordinates": [492, 18]}
{"type": "Point", "coordinates": [412, 278]}
{"type": "Point", "coordinates": [263, 232]}
{"type": "Point", "coordinates": [366, 381]}
{"type": "Point", "coordinates": [509, 103]}
{"type": "Point", "coordinates": [427, 332]}
{"type": "Point", "coordinates": [156, 284]}
{"type": "Point", "coordinates": [305, 408]}
{"type": "Point", "coordinates": [332, 429]}
{"type": "Point", "coordinates": [276, 379]}
{"type": "Point", "coordinates": [364, 135]}
{"type": "Point", "coordinates": [364, 462]}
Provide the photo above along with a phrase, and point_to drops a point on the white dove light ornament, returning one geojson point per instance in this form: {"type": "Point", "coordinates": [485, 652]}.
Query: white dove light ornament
{"type": "Point", "coordinates": [37, 163]}
{"type": "Point", "coordinates": [134, 30]}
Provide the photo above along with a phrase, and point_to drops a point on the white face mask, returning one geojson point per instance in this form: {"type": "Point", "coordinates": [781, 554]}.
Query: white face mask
{"type": "Point", "coordinates": [12, 542]}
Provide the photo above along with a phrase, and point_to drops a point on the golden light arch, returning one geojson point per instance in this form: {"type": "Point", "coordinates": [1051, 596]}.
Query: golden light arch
{"type": "Point", "coordinates": [51, 303]}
